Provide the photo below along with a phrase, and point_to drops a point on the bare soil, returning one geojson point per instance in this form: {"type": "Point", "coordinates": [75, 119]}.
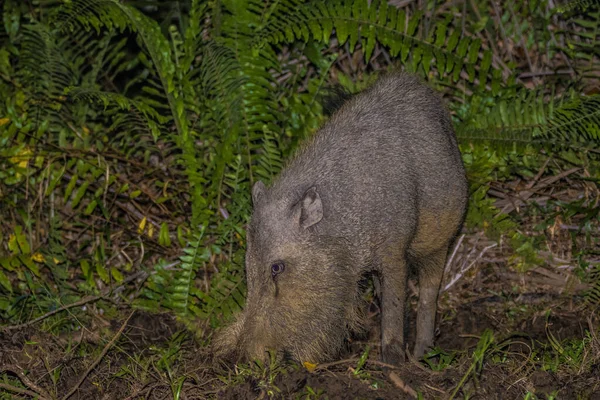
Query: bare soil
{"type": "Point", "coordinates": [155, 357]}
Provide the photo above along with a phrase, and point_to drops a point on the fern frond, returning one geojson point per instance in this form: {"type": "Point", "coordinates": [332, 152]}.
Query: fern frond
{"type": "Point", "coordinates": [226, 297]}
{"type": "Point", "coordinates": [173, 288]}
{"type": "Point", "coordinates": [45, 72]}
{"type": "Point", "coordinates": [215, 85]}
{"type": "Point", "coordinates": [575, 6]}
{"type": "Point", "coordinates": [161, 62]}
{"type": "Point", "coordinates": [260, 108]}
{"type": "Point", "coordinates": [576, 121]}
{"type": "Point", "coordinates": [237, 208]}
{"type": "Point", "coordinates": [583, 40]}
{"type": "Point", "coordinates": [527, 119]}
{"type": "Point", "coordinates": [270, 161]}
{"type": "Point", "coordinates": [511, 120]}
{"type": "Point", "coordinates": [445, 49]}
{"type": "Point", "coordinates": [592, 296]}
{"type": "Point", "coordinates": [151, 117]}
{"type": "Point", "coordinates": [112, 13]}
{"type": "Point", "coordinates": [226, 293]}
{"type": "Point", "coordinates": [194, 254]}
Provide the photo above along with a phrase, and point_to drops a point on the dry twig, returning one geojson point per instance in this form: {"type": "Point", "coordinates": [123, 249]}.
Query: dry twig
{"type": "Point", "coordinates": [100, 357]}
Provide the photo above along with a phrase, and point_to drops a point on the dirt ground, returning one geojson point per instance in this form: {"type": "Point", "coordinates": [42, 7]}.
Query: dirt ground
{"type": "Point", "coordinates": [520, 324]}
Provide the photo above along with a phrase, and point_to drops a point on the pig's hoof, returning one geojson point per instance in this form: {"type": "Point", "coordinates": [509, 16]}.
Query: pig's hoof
{"type": "Point", "coordinates": [393, 357]}
{"type": "Point", "coordinates": [419, 350]}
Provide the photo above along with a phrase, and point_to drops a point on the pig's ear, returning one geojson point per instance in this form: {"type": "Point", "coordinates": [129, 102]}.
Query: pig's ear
{"type": "Point", "coordinates": [257, 191]}
{"type": "Point", "coordinates": [311, 210]}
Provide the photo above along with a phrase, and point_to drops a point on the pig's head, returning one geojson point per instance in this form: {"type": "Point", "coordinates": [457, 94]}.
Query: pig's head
{"type": "Point", "coordinates": [302, 294]}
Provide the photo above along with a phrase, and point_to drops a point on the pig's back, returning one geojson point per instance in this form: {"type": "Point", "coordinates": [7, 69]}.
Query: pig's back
{"type": "Point", "coordinates": [384, 165]}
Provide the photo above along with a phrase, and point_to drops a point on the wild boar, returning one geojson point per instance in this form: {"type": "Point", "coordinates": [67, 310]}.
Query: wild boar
{"type": "Point", "coordinates": [381, 189]}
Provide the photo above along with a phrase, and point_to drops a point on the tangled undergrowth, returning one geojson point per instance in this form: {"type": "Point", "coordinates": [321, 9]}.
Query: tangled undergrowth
{"type": "Point", "coordinates": [132, 131]}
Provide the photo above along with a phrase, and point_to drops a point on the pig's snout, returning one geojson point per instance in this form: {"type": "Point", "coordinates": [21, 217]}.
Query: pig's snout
{"type": "Point", "coordinates": [246, 339]}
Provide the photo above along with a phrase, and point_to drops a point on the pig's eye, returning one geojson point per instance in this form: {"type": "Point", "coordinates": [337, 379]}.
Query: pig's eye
{"type": "Point", "coordinates": [277, 268]}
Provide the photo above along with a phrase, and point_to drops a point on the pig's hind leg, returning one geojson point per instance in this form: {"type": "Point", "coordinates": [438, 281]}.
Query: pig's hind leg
{"type": "Point", "coordinates": [393, 282]}
{"type": "Point", "coordinates": [430, 269]}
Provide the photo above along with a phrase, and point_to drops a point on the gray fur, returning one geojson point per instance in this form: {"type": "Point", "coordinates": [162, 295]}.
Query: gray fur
{"type": "Point", "coordinates": [381, 187]}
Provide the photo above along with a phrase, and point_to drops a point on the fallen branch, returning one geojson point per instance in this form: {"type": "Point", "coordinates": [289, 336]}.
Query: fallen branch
{"type": "Point", "coordinates": [142, 393]}
{"type": "Point", "coordinates": [143, 275]}
{"type": "Point", "coordinates": [352, 361]}
{"type": "Point", "coordinates": [38, 391]}
{"type": "Point", "coordinates": [465, 269]}
{"type": "Point", "coordinates": [334, 363]}
{"type": "Point", "coordinates": [396, 380]}
{"type": "Point", "coordinates": [15, 389]}
{"type": "Point", "coordinates": [560, 284]}
{"type": "Point", "coordinates": [451, 258]}
{"type": "Point", "coordinates": [81, 302]}
{"type": "Point", "coordinates": [524, 195]}
{"type": "Point", "coordinates": [100, 357]}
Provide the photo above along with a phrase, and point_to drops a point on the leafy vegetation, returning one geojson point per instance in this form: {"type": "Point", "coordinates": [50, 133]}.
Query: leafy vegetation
{"type": "Point", "coordinates": [131, 133]}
